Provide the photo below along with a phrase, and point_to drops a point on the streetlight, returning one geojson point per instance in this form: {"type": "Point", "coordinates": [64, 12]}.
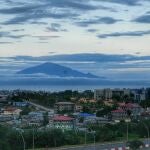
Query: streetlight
{"type": "Point", "coordinates": [148, 134]}
{"type": "Point", "coordinates": [33, 138]}
{"type": "Point", "coordinates": [23, 140]}
{"type": "Point", "coordinates": [85, 137]}
{"type": "Point", "coordinates": [93, 133]}
{"type": "Point", "coordinates": [127, 121]}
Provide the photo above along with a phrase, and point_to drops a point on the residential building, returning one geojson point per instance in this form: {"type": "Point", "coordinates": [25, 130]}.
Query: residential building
{"type": "Point", "coordinates": [64, 107]}
{"type": "Point", "coordinates": [119, 114]}
{"type": "Point", "coordinates": [107, 94]}
{"type": "Point", "coordinates": [139, 95]}
{"type": "Point", "coordinates": [103, 94]}
{"type": "Point", "coordinates": [12, 111]}
{"type": "Point", "coordinates": [63, 122]}
{"type": "Point", "coordinates": [20, 104]}
{"type": "Point", "coordinates": [134, 108]}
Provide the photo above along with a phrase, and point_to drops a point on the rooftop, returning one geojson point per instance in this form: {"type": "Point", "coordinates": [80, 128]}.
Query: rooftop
{"type": "Point", "coordinates": [118, 111]}
{"type": "Point", "coordinates": [67, 103]}
{"type": "Point", "coordinates": [62, 118]}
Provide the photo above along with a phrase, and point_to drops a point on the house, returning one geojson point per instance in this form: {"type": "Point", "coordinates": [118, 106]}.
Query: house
{"type": "Point", "coordinates": [36, 115]}
{"type": "Point", "coordinates": [20, 104]}
{"type": "Point", "coordinates": [134, 108]}
{"type": "Point", "coordinates": [78, 108]}
{"type": "Point", "coordinates": [64, 122]}
{"type": "Point", "coordinates": [119, 114]}
{"type": "Point", "coordinates": [86, 115]}
{"type": "Point", "coordinates": [64, 107]}
{"type": "Point", "coordinates": [12, 111]}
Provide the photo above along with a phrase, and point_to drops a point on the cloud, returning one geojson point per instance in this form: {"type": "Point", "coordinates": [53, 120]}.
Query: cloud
{"type": "Point", "coordinates": [4, 34]}
{"type": "Point", "coordinates": [119, 34]}
{"type": "Point", "coordinates": [101, 20]}
{"type": "Point", "coordinates": [18, 30]}
{"type": "Point", "coordinates": [123, 2]}
{"type": "Point", "coordinates": [75, 4]}
{"type": "Point", "coordinates": [92, 30]}
{"type": "Point", "coordinates": [27, 17]}
{"type": "Point", "coordinates": [46, 37]}
{"type": "Point", "coordinates": [6, 42]}
{"type": "Point", "coordinates": [55, 27]}
{"type": "Point", "coordinates": [143, 19]}
{"type": "Point", "coordinates": [36, 10]}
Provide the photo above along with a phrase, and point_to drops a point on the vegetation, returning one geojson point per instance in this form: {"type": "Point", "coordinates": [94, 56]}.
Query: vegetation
{"type": "Point", "coordinates": [49, 99]}
{"type": "Point", "coordinates": [10, 139]}
{"type": "Point", "coordinates": [135, 145]}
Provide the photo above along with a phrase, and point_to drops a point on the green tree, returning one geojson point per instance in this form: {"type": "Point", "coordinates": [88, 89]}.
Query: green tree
{"type": "Point", "coordinates": [135, 145]}
{"type": "Point", "coordinates": [45, 119]}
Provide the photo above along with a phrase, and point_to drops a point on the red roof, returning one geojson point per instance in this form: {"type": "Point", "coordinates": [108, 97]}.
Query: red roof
{"type": "Point", "coordinates": [118, 111]}
{"type": "Point", "coordinates": [131, 105]}
{"type": "Point", "coordinates": [128, 105]}
{"type": "Point", "coordinates": [62, 118]}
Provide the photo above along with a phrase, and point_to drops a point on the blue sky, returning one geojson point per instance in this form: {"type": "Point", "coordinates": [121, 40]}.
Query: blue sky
{"type": "Point", "coordinates": [45, 27]}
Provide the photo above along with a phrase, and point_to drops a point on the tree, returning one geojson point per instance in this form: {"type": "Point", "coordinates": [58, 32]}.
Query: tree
{"type": "Point", "coordinates": [45, 119]}
{"type": "Point", "coordinates": [135, 145]}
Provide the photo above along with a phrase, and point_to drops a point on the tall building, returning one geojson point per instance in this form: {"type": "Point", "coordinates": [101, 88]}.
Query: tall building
{"type": "Point", "coordinates": [107, 94]}
{"type": "Point", "coordinates": [103, 94]}
{"type": "Point", "coordinates": [139, 95]}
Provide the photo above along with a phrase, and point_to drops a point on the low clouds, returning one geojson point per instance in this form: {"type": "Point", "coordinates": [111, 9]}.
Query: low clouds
{"type": "Point", "coordinates": [101, 20]}
{"type": "Point", "coordinates": [46, 37]}
{"type": "Point", "coordinates": [122, 34]}
{"type": "Point", "coordinates": [11, 36]}
{"type": "Point", "coordinates": [143, 19]}
{"type": "Point", "coordinates": [55, 27]}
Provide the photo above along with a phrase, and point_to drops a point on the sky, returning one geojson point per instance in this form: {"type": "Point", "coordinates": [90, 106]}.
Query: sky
{"type": "Point", "coordinates": [47, 27]}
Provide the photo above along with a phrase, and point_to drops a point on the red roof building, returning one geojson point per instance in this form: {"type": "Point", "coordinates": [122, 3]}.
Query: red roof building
{"type": "Point", "coordinates": [119, 114]}
{"type": "Point", "coordinates": [64, 122]}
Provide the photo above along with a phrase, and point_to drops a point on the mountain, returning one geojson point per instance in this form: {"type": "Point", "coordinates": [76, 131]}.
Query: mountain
{"type": "Point", "coordinates": [53, 69]}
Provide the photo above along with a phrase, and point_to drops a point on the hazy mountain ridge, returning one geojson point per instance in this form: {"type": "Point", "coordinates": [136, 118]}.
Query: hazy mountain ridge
{"type": "Point", "coordinates": [53, 69]}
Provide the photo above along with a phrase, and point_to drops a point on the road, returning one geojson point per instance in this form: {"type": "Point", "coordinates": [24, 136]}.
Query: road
{"type": "Point", "coordinates": [106, 146]}
{"type": "Point", "coordinates": [40, 106]}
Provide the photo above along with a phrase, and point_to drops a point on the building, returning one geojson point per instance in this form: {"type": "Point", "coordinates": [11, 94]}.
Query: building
{"type": "Point", "coordinates": [12, 111]}
{"type": "Point", "coordinates": [119, 114]}
{"type": "Point", "coordinates": [79, 108]}
{"type": "Point", "coordinates": [107, 94]}
{"type": "Point", "coordinates": [102, 94]}
{"type": "Point", "coordinates": [139, 95]}
{"type": "Point", "coordinates": [20, 104]}
{"type": "Point", "coordinates": [64, 107]}
{"type": "Point", "coordinates": [3, 98]}
{"type": "Point", "coordinates": [64, 122]}
{"type": "Point", "coordinates": [134, 108]}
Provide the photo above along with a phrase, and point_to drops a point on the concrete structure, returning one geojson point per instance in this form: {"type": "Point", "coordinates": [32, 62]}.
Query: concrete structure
{"type": "Point", "coordinates": [107, 94]}
{"type": "Point", "coordinates": [63, 122]}
{"type": "Point", "coordinates": [134, 108]}
{"type": "Point", "coordinates": [118, 114]}
{"type": "Point", "coordinates": [139, 95]}
{"type": "Point", "coordinates": [103, 94]}
{"type": "Point", "coordinates": [20, 104]}
{"type": "Point", "coordinates": [12, 111]}
{"type": "Point", "coordinates": [64, 107]}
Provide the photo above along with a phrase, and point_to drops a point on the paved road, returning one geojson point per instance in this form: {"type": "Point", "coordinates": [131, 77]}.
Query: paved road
{"type": "Point", "coordinates": [40, 106]}
{"type": "Point", "coordinates": [108, 146]}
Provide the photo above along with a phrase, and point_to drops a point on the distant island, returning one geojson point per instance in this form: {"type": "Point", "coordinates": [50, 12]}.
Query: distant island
{"type": "Point", "coordinates": [53, 69]}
